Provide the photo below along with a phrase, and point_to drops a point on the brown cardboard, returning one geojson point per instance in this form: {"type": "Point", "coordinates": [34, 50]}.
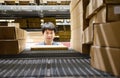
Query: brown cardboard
{"type": "Point", "coordinates": [76, 41]}
{"type": "Point", "coordinates": [14, 25]}
{"type": "Point", "coordinates": [89, 9]}
{"type": "Point", "coordinates": [52, 2]}
{"type": "Point", "coordinates": [6, 24]}
{"type": "Point", "coordinates": [64, 2]}
{"type": "Point", "coordinates": [73, 4]}
{"type": "Point", "coordinates": [50, 19]}
{"type": "Point", "coordinates": [49, 47]}
{"type": "Point", "coordinates": [100, 17]}
{"type": "Point", "coordinates": [76, 36]}
{"type": "Point", "coordinates": [76, 21]}
{"type": "Point", "coordinates": [99, 3]}
{"type": "Point", "coordinates": [10, 2]}
{"type": "Point", "coordinates": [12, 33]}
{"type": "Point", "coordinates": [34, 25]}
{"type": "Point", "coordinates": [3, 24]}
{"type": "Point", "coordinates": [95, 5]}
{"type": "Point", "coordinates": [1, 1]}
{"type": "Point", "coordinates": [107, 34]}
{"type": "Point", "coordinates": [113, 13]}
{"type": "Point", "coordinates": [87, 40]}
{"type": "Point", "coordinates": [109, 13]}
{"type": "Point", "coordinates": [34, 20]}
{"type": "Point", "coordinates": [21, 2]}
{"type": "Point", "coordinates": [106, 59]}
{"type": "Point", "coordinates": [25, 2]}
{"type": "Point", "coordinates": [88, 35]}
{"type": "Point", "coordinates": [11, 46]}
{"type": "Point", "coordinates": [77, 16]}
{"type": "Point", "coordinates": [77, 27]}
{"type": "Point", "coordinates": [32, 1]}
{"type": "Point", "coordinates": [22, 22]}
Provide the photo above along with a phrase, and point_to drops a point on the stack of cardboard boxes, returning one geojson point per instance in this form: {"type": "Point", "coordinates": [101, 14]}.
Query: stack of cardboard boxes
{"type": "Point", "coordinates": [22, 22]}
{"type": "Point", "coordinates": [50, 19]}
{"type": "Point", "coordinates": [26, 2]}
{"type": "Point", "coordinates": [12, 40]}
{"type": "Point", "coordinates": [10, 2]}
{"type": "Point", "coordinates": [64, 36]}
{"type": "Point", "coordinates": [21, 2]}
{"type": "Point", "coordinates": [64, 33]}
{"type": "Point", "coordinates": [64, 2]}
{"type": "Point", "coordinates": [29, 22]}
{"type": "Point", "coordinates": [34, 22]}
{"type": "Point", "coordinates": [102, 34]}
{"type": "Point", "coordinates": [95, 30]}
{"type": "Point", "coordinates": [77, 23]}
{"type": "Point", "coordinates": [52, 2]}
{"type": "Point", "coordinates": [105, 50]}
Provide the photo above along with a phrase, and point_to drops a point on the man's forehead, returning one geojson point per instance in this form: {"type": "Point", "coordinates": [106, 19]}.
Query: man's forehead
{"type": "Point", "coordinates": [48, 30]}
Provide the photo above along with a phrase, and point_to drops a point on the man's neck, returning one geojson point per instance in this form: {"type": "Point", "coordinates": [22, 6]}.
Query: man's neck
{"type": "Point", "coordinates": [48, 43]}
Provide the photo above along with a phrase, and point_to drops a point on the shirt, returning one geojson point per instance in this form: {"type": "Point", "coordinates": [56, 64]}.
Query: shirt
{"type": "Point", "coordinates": [54, 43]}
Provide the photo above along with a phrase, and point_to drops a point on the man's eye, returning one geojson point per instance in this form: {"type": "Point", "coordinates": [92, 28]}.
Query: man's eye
{"type": "Point", "coordinates": [47, 33]}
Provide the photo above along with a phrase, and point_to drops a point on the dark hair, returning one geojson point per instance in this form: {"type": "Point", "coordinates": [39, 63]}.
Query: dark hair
{"type": "Point", "coordinates": [48, 26]}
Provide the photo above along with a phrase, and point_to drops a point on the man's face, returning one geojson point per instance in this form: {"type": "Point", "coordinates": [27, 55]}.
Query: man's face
{"type": "Point", "coordinates": [49, 35]}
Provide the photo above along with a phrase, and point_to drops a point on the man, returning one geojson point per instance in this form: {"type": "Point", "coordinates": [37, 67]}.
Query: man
{"type": "Point", "coordinates": [49, 30]}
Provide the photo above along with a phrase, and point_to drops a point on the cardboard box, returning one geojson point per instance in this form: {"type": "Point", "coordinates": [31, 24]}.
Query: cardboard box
{"type": "Point", "coordinates": [34, 25]}
{"type": "Point", "coordinates": [95, 5]}
{"type": "Point", "coordinates": [73, 4]}
{"type": "Point", "coordinates": [52, 2]}
{"type": "Point", "coordinates": [12, 33]}
{"type": "Point", "coordinates": [6, 24]}
{"type": "Point", "coordinates": [17, 25]}
{"type": "Point", "coordinates": [89, 9]}
{"type": "Point", "coordinates": [77, 16]}
{"type": "Point", "coordinates": [64, 32]}
{"type": "Point", "coordinates": [65, 3]}
{"type": "Point", "coordinates": [1, 1]}
{"type": "Point", "coordinates": [10, 2]}
{"type": "Point", "coordinates": [34, 20]}
{"type": "Point", "coordinates": [100, 17]}
{"type": "Point", "coordinates": [106, 59]}
{"type": "Point", "coordinates": [76, 41]}
{"type": "Point", "coordinates": [98, 3]}
{"type": "Point", "coordinates": [49, 47]}
{"type": "Point", "coordinates": [26, 2]}
{"type": "Point", "coordinates": [88, 35]}
{"type": "Point", "coordinates": [53, 20]}
{"type": "Point", "coordinates": [3, 23]}
{"type": "Point", "coordinates": [109, 13]}
{"type": "Point", "coordinates": [22, 22]}
{"type": "Point", "coordinates": [64, 35]}
{"type": "Point", "coordinates": [76, 21]}
{"type": "Point", "coordinates": [113, 13]}
{"type": "Point", "coordinates": [107, 34]}
{"type": "Point", "coordinates": [8, 47]}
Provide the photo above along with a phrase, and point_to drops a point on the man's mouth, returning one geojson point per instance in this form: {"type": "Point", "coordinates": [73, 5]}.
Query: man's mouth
{"type": "Point", "coordinates": [49, 38]}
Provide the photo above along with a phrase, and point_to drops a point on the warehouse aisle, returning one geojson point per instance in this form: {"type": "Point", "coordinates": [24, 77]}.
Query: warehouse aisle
{"type": "Point", "coordinates": [52, 64]}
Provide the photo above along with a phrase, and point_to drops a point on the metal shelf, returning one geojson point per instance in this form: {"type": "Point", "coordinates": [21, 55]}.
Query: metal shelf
{"type": "Point", "coordinates": [34, 7]}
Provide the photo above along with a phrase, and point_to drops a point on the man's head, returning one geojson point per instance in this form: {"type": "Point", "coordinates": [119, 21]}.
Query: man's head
{"type": "Point", "coordinates": [48, 30]}
{"type": "Point", "coordinates": [48, 26]}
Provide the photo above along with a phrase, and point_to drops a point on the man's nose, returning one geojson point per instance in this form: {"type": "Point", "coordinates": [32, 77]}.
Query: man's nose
{"type": "Point", "coordinates": [49, 34]}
